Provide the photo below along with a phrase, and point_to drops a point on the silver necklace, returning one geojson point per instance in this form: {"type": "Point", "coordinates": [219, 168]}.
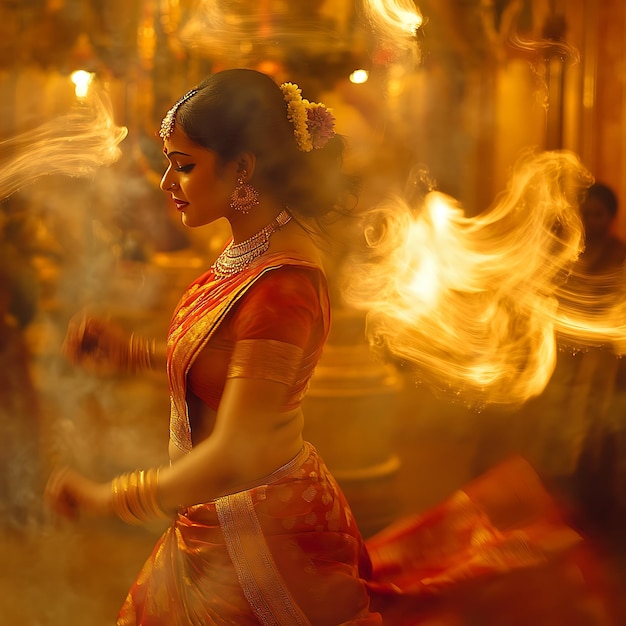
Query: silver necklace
{"type": "Point", "coordinates": [237, 256]}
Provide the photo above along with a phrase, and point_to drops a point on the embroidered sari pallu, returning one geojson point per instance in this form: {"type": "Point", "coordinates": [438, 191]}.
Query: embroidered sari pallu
{"type": "Point", "coordinates": [273, 317]}
{"type": "Point", "coordinates": [284, 552]}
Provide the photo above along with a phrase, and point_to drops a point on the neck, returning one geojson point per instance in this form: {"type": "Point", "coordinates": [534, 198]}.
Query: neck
{"type": "Point", "coordinates": [237, 256]}
{"type": "Point", "coordinates": [245, 226]}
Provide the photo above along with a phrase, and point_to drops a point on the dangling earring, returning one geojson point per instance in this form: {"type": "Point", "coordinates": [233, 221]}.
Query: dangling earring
{"type": "Point", "coordinates": [245, 196]}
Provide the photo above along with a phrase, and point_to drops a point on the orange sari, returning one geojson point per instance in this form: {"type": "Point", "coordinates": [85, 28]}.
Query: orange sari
{"type": "Point", "coordinates": [285, 551]}
{"type": "Point", "coordinates": [497, 553]}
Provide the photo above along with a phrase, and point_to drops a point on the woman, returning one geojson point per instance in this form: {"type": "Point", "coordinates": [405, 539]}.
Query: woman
{"type": "Point", "coordinates": [261, 532]}
{"type": "Point", "coordinates": [255, 506]}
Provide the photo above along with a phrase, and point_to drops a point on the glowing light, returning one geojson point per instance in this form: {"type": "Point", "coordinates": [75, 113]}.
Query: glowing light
{"type": "Point", "coordinates": [358, 77]}
{"type": "Point", "coordinates": [82, 81]}
{"type": "Point", "coordinates": [74, 144]}
{"type": "Point", "coordinates": [396, 15]}
{"type": "Point", "coordinates": [224, 29]}
{"type": "Point", "coordinates": [396, 23]}
{"type": "Point", "coordinates": [473, 305]}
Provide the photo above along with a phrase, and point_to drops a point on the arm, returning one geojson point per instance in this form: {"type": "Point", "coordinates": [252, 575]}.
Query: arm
{"type": "Point", "coordinates": [252, 435]}
{"type": "Point", "coordinates": [102, 345]}
{"type": "Point", "coordinates": [248, 442]}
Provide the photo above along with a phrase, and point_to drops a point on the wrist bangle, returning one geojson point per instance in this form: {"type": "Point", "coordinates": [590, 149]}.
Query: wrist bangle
{"type": "Point", "coordinates": [135, 497]}
{"type": "Point", "coordinates": [140, 353]}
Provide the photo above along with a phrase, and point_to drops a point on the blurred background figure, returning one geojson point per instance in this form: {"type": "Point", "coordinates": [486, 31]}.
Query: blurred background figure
{"type": "Point", "coordinates": [599, 278]}
{"type": "Point", "coordinates": [20, 474]}
{"type": "Point", "coordinates": [573, 430]}
{"type": "Point", "coordinates": [573, 433]}
{"type": "Point", "coordinates": [604, 252]}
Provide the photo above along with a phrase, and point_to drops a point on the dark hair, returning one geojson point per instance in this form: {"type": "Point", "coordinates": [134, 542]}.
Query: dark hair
{"type": "Point", "coordinates": [604, 194]}
{"type": "Point", "coordinates": [241, 110]}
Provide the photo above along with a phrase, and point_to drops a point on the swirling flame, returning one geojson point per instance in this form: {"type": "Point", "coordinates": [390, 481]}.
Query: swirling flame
{"type": "Point", "coordinates": [471, 302]}
{"type": "Point", "coordinates": [396, 23]}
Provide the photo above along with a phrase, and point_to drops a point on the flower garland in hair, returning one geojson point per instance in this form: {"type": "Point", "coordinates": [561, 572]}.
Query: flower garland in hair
{"type": "Point", "coordinates": [313, 123]}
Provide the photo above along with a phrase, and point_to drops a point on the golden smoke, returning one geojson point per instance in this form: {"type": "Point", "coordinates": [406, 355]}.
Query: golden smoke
{"type": "Point", "coordinates": [74, 144]}
{"type": "Point", "coordinates": [239, 31]}
{"type": "Point", "coordinates": [394, 17]}
{"type": "Point", "coordinates": [472, 303]}
{"type": "Point", "coordinates": [593, 310]}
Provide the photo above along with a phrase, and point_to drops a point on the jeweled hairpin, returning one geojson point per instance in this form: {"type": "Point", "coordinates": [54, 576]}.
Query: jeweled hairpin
{"type": "Point", "coordinates": [167, 125]}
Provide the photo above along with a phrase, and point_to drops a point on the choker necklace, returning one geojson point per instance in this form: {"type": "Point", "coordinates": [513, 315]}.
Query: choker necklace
{"type": "Point", "coordinates": [237, 256]}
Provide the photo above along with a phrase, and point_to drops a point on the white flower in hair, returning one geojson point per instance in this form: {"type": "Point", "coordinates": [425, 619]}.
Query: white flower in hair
{"type": "Point", "coordinates": [313, 123]}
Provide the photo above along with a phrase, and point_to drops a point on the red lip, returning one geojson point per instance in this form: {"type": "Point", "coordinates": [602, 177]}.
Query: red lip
{"type": "Point", "coordinates": [180, 204]}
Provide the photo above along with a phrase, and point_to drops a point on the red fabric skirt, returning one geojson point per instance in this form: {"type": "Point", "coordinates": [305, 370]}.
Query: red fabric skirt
{"type": "Point", "coordinates": [287, 552]}
{"type": "Point", "coordinates": [497, 553]}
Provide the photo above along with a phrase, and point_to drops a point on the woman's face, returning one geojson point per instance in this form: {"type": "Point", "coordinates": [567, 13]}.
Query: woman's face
{"type": "Point", "coordinates": [200, 185]}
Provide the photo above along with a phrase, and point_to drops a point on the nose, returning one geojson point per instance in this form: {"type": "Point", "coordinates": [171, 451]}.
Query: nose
{"type": "Point", "coordinates": [166, 183]}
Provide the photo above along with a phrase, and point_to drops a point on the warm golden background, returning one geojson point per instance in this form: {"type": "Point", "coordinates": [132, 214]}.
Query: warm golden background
{"type": "Point", "coordinates": [481, 82]}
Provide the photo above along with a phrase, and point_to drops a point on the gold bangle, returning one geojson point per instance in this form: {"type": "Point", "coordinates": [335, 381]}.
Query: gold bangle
{"type": "Point", "coordinates": [132, 496]}
{"type": "Point", "coordinates": [135, 497]}
{"type": "Point", "coordinates": [119, 487]}
{"type": "Point", "coordinates": [152, 483]}
{"type": "Point", "coordinates": [140, 353]}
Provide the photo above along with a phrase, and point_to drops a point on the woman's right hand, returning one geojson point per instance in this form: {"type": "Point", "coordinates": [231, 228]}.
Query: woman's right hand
{"type": "Point", "coordinates": [96, 344]}
{"type": "Point", "coordinates": [69, 494]}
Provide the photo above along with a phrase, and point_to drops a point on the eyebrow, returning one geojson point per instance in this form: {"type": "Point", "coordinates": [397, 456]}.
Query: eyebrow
{"type": "Point", "coordinates": [177, 152]}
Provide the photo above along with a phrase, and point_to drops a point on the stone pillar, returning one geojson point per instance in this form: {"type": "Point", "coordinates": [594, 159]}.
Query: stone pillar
{"type": "Point", "coordinates": [350, 416]}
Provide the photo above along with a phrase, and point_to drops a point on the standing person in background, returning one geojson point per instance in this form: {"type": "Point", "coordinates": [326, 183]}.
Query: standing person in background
{"type": "Point", "coordinates": [598, 282]}
{"type": "Point", "coordinates": [573, 441]}
{"type": "Point", "coordinates": [559, 425]}
{"type": "Point", "coordinates": [261, 532]}
{"type": "Point", "coordinates": [604, 252]}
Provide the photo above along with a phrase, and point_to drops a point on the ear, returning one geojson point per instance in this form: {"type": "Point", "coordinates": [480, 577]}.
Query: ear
{"type": "Point", "coordinates": [246, 161]}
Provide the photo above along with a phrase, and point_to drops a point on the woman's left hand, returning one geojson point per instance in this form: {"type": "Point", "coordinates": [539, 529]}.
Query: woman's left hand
{"type": "Point", "coordinates": [69, 494]}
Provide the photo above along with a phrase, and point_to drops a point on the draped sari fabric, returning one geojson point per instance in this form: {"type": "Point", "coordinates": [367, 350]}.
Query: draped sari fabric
{"type": "Point", "coordinates": [286, 551]}
{"type": "Point", "coordinates": [497, 553]}
{"type": "Point", "coordinates": [205, 308]}
{"type": "Point", "coordinates": [283, 552]}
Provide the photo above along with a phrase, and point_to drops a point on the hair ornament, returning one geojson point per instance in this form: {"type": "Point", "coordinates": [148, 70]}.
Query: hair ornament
{"type": "Point", "coordinates": [167, 125]}
{"type": "Point", "coordinates": [313, 123]}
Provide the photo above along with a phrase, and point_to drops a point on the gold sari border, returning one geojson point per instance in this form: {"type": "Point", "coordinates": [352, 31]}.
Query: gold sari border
{"type": "Point", "coordinates": [207, 303]}
{"type": "Point", "coordinates": [258, 575]}
{"type": "Point", "coordinates": [267, 359]}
